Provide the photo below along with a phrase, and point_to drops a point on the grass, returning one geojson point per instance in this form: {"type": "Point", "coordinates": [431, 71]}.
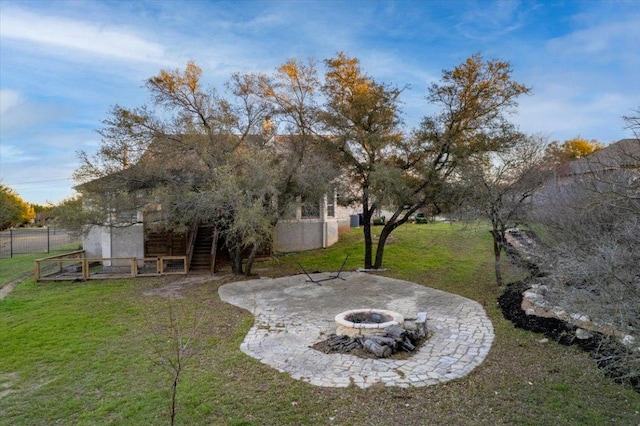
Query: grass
{"type": "Point", "coordinates": [22, 265]}
{"type": "Point", "coordinates": [81, 353]}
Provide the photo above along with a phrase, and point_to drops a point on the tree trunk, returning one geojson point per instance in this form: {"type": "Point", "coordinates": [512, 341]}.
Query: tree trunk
{"type": "Point", "coordinates": [368, 241]}
{"type": "Point", "coordinates": [174, 393]}
{"type": "Point", "coordinates": [236, 259]}
{"type": "Point", "coordinates": [497, 253]}
{"type": "Point", "coordinates": [250, 259]}
{"type": "Point", "coordinates": [389, 227]}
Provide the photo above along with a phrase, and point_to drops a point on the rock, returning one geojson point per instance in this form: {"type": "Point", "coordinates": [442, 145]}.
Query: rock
{"type": "Point", "coordinates": [410, 325]}
{"type": "Point", "coordinates": [629, 340]}
{"type": "Point", "coordinates": [583, 334]}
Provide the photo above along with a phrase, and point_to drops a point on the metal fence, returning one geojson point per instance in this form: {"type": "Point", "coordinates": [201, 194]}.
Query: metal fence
{"type": "Point", "coordinates": [37, 240]}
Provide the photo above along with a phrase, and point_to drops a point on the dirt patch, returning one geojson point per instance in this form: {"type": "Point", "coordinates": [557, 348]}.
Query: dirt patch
{"type": "Point", "coordinates": [174, 289]}
{"type": "Point", "coordinates": [6, 383]}
{"type": "Point", "coordinates": [8, 288]}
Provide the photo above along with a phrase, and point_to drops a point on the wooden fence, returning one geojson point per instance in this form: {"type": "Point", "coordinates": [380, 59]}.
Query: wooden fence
{"type": "Point", "coordinates": [75, 266]}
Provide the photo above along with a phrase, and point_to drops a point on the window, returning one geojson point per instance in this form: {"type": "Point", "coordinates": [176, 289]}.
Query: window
{"type": "Point", "coordinates": [331, 201]}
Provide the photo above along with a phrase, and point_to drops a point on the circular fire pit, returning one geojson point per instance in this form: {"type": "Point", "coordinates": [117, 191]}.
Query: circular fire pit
{"type": "Point", "coordinates": [366, 322]}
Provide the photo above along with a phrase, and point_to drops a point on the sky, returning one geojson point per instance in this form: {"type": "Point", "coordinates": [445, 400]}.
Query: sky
{"type": "Point", "coordinates": [65, 64]}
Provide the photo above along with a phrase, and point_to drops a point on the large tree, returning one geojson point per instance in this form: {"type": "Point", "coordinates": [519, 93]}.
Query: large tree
{"type": "Point", "coordinates": [361, 123]}
{"type": "Point", "coordinates": [13, 209]}
{"type": "Point", "coordinates": [404, 171]}
{"type": "Point", "coordinates": [201, 158]}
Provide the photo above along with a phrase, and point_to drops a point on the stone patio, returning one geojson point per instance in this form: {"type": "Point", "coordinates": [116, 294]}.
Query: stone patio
{"type": "Point", "coordinates": [292, 313]}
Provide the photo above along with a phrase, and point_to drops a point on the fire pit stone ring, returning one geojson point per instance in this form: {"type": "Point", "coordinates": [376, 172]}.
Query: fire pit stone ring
{"type": "Point", "coordinates": [366, 322]}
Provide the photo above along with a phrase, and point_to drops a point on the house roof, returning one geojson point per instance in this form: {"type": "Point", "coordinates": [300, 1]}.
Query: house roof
{"type": "Point", "coordinates": [623, 154]}
{"type": "Point", "coordinates": [184, 159]}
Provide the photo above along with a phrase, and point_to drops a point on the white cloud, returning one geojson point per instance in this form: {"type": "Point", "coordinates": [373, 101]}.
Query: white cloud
{"type": "Point", "coordinates": [9, 99]}
{"type": "Point", "coordinates": [488, 21]}
{"type": "Point", "coordinates": [87, 37]}
{"type": "Point", "coordinates": [11, 154]}
{"type": "Point", "coordinates": [565, 117]}
{"type": "Point", "coordinates": [18, 114]}
{"type": "Point", "coordinates": [611, 41]}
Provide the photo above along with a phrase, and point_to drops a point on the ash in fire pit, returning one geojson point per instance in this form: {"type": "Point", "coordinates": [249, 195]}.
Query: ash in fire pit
{"type": "Point", "coordinates": [368, 317]}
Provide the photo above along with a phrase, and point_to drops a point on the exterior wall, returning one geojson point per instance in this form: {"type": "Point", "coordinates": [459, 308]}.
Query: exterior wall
{"type": "Point", "coordinates": [106, 242]}
{"type": "Point", "coordinates": [92, 241]}
{"type": "Point", "coordinates": [305, 234]}
{"type": "Point", "coordinates": [128, 241]}
{"type": "Point", "coordinates": [343, 215]}
{"type": "Point", "coordinates": [332, 230]}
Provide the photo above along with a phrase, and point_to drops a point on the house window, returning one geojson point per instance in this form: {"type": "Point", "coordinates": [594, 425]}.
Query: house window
{"type": "Point", "coordinates": [331, 200]}
{"type": "Point", "coordinates": [130, 216]}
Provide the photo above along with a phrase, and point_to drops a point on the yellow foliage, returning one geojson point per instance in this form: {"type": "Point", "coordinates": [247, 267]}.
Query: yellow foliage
{"type": "Point", "coordinates": [579, 148]}
{"type": "Point", "coordinates": [572, 149]}
{"type": "Point", "coordinates": [13, 209]}
{"type": "Point", "coordinates": [174, 81]}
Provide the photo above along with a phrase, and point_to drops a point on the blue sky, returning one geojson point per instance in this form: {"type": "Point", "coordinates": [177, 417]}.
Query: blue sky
{"type": "Point", "coordinates": [63, 64]}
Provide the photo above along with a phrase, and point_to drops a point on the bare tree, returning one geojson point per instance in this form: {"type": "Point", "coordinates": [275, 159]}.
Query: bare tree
{"type": "Point", "coordinates": [590, 217]}
{"type": "Point", "coordinates": [175, 342]}
{"type": "Point", "coordinates": [633, 122]}
{"type": "Point", "coordinates": [500, 186]}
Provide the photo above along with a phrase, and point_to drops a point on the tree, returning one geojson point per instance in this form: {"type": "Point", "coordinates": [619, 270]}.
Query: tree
{"type": "Point", "coordinates": [571, 149]}
{"type": "Point", "coordinates": [592, 234]}
{"type": "Point", "coordinates": [407, 172]}
{"type": "Point", "coordinates": [200, 158]}
{"type": "Point", "coordinates": [361, 119]}
{"type": "Point", "coordinates": [174, 342]}
{"type": "Point", "coordinates": [633, 122]}
{"type": "Point", "coordinates": [500, 186]}
{"type": "Point", "coordinates": [69, 214]}
{"type": "Point", "coordinates": [13, 209]}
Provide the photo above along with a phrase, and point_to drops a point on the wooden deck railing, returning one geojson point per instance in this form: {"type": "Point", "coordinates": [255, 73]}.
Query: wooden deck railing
{"type": "Point", "coordinates": [75, 266]}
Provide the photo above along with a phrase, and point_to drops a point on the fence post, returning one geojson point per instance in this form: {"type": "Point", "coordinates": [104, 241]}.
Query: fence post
{"type": "Point", "coordinates": [85, 269]}
{"type": "Point", "coordinates": [48, 244]}
{"type": "Point", "coordinates": [11, 242]}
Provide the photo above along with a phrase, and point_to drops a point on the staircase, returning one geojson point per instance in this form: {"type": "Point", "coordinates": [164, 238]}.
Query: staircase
{"type": "Point", "coordinates": [201, 258]}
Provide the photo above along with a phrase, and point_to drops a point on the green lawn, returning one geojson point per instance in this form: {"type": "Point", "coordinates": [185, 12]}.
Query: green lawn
{"type": "Point", "coordinates": [22, 265]}
{"type": "Point", "coordinates": [82, 353]}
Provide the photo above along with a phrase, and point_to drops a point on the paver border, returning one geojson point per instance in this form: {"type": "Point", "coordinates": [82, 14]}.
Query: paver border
{"type": "Point", "coordinates": [291, 314]}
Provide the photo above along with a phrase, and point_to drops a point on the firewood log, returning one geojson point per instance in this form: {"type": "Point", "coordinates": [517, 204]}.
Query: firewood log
{"type": "Point", "coordinates": [381, 351]}
{"type": "Point", "coordinates": [395, 332]}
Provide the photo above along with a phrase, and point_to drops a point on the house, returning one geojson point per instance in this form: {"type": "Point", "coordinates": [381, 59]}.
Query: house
{"type": "Point", "coordinates": [615, 166]}
{"type": "Point", "coordinates": [621, 155]}
{"type": "Point", "coordinates": [126, 231]}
